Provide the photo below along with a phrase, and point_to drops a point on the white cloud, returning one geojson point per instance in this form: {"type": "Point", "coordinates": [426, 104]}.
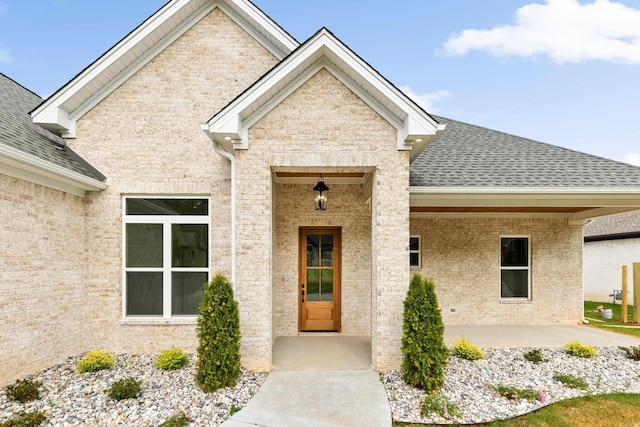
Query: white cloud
{"type": "Point", "coordinates": [5, 57]}
{"type": "Point", "coordinates": [632, 158]}
{"type": "Point", "coordinates": [565, 30]}
{"type": "Point", "coordinates": [426, 100]}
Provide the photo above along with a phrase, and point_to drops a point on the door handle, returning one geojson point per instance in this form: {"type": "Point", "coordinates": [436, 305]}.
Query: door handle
{"type": "Point", "coordinates": [302, 286]}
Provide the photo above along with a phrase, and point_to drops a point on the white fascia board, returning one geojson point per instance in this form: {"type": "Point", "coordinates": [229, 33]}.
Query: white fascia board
{"type": "Point", "coordinates": [525, 197]}
{"type": "Point", "coordinates": [287, 44]}
{"type": "Point", "coordinates": [416, 123]}
{"type": "Point", "coordinates": [52, 114]}
{"type": "Point", "coordinates": [21, 165]}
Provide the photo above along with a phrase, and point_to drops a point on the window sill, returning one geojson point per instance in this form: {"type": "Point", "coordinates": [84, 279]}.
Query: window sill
{"type": "Point", "coordinates": [150, 321]}
{"type": "Point", "coordinates": [516, 301]}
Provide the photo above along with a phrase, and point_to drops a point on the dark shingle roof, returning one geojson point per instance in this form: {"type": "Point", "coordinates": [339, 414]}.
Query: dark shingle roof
{"type": "Point", "coordinates": [465, 155]}
{"type": "Point", "coordinates": [626, 224]}
{"type": "Point", "coordinates": [18, 131]}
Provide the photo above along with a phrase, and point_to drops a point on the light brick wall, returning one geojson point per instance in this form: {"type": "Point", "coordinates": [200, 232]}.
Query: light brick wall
{"type": "Point", "coordinates": [462, 255]}
{"type": "Point", "coordinates": [42, 277]}
{"type": "Point", "coordinates": [146, 138]}
{"type": "Point", "coordinates": [323, 127]}
{"type": "Point", "coordinates": [294, 208]}
{"type": "Point", "coordinates": [603, 261]}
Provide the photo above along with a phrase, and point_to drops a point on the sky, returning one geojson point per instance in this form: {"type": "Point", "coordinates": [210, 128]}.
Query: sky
{"type": "Point", "coordinates": [564, 72]}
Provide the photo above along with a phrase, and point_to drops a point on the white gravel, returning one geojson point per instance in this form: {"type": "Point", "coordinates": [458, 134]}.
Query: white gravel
{"type": "Point", "coordinates": [70, 399]}
{"type": "Point", "coordinates": [467, 383]}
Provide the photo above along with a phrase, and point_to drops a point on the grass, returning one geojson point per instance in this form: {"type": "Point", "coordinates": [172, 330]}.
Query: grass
{"type": "Point", "coordinates": [615, 324]}
{"type": "Point", "coordinates": [618, 409]}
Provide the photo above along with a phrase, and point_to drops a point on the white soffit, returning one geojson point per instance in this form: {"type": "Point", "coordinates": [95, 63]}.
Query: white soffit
{"type": "Point", "coordinates": [230, 126]}
{"type": "Point", "coordinates": [60, 111]}
{"type": "Point", "coordinates": [597, 201]}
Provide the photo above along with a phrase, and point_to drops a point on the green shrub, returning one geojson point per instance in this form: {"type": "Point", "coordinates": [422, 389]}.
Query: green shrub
{"type": "Point", "coordinates": [25, 419]}
{"type": "Point", "coordinates": [435, 403]}
{"type": "Point", "coordinates": [632, 352]}
{"type": "Point", "coordinates": [234, 409]}
{"type": "Point", "coordinates": [218, 332]}
{"type": "Point", "coordinates": [127, 388]}
{"type": "Point", "coordinates": [424, 353]}
{"type": "Point", "coordinates": [96, 360]}
{"type": "Point", "coordinates": [23, 391]}
{"type": "Point", "coordinates": [574, 348]}
{"type": "Point", "coordinates": [534, 356]}
{"type": "Point", "coordinates": [465, 350]}
{"type": "Point", "coordinates": [515, 393]}
{"type": "Point", "coordinates": [178, 420]}
{"type": "Point", "coordinates": [571, 381]}
{"type": "Point", "coordinates": [174, 358]}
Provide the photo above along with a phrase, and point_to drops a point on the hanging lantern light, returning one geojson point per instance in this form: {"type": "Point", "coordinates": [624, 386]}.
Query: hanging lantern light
{"type": "Point", "coordinates": [320, 195]}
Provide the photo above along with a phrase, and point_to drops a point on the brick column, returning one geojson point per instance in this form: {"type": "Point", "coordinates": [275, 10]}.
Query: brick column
{"type": "Point", "coordinates": [390, 276]}
{"type": "Point", "coordinates": [253, 260]}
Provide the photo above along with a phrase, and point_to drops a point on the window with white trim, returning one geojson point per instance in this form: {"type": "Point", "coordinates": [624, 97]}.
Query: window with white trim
{"type": "Point", "coordinates": [515, 268]}
{"type": "Point", "coordinates": [166, 253]}
{"type": "Point", "coordinates": [414, 251]}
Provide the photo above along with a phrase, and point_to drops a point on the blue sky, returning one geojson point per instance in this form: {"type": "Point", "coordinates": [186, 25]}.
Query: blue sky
{"type": "Point", "coordinates": [565, 72]}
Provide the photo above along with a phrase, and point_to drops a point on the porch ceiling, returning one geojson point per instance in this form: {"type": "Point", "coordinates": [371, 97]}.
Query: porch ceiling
{"type": "Point", "coordinates": [498, 209]}
{"type": "Point", "coordinates": [577, 204]}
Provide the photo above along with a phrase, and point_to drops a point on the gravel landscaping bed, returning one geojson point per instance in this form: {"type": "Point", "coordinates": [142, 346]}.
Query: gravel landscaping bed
{"type": "Point", "coordinates": [467, 383]}
{"type": "Point", "coordinates": [70, 399]}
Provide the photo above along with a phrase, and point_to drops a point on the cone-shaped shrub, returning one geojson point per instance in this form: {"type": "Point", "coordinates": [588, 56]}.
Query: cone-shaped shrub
{"type": "Point", "coordinates": [424, 353]}
{"type": "Point", "coordinates": [218, 331]}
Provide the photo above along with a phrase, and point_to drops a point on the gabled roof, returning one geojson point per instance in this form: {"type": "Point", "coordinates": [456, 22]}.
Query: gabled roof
{"type": "Point", "coordinates": [621, 226]}
{"type": "Point", "coordinates": [29, 152]}
{"type": "Point", "coordinates": [474, 168]}
{"type": "Point", "coordinates": [323, 50]}
{"type": "Point", "coordinates": [61, 110]}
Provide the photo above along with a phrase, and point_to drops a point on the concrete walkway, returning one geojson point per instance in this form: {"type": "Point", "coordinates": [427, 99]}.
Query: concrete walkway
{"type": "Point", "coordinates": [317, 399]}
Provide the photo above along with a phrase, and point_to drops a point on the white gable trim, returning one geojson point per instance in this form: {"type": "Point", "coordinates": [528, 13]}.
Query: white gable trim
{"type": "Point", "coordinates": [27, 167]}
{"type": "Point", "coordinates": [60, 112]}
{"type": "Point", "coordinates": [230, 126]}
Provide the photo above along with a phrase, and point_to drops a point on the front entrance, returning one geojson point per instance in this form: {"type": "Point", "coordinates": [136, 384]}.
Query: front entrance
{"type": "Point", "coordinates": [319, 292]}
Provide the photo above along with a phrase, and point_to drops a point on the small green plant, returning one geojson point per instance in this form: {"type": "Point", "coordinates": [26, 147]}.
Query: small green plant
{"type": "Point", "coordinates": [534, 356]}
{"type": "Point", "coordinates": [465, 350]}
{"type": "Point", "coordinates": [174, 358]}
{"type": "Point", "coordinates": [424, 353]}
{"type": "Point", "coordinates": [435, 403]}
{"type": "Point", "coordinates": [632, 352]}
{"type": "Point", "coordinates": [127, 388]}
{"type": "Point", "coordinates": [23, 390]}
{"type": "Point", "coordinates": [571, 381]}
{"type": "Point", "coordinates": [234, 409]}
{"type": "Point", "coordinates": [574, 348]}
{"type": "Point", "coordinates": [515, 393]}
{"type": "Point", "coordinates": [178, 420]}
{"type": "Point", "coordinates": [96, 360]}
{"type": "Point", "coordinates": [25, 419]}
{"type": "Point", "coordinates": [218, 332]}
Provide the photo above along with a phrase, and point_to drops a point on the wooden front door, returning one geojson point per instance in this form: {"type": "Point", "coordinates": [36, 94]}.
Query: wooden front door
{"type": "Point", "coordinates": [319, 290]}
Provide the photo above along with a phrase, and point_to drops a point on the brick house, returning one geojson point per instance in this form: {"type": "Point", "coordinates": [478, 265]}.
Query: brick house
{"type": "Point", "coordinates": [200, 137]}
